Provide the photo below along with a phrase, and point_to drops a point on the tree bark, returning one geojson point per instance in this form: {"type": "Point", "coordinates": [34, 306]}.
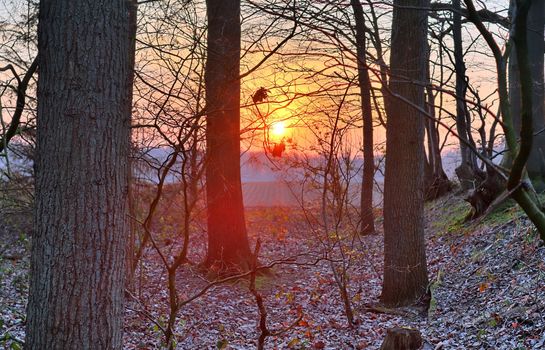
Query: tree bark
{"type": "Point", "coordinates": [536, 47]}
{"type": "Point", "coordinates": [405, 272]}
{"type": "Point", "coordinates": [228, 245]}
{"type": "Point", "coordinates": [86, 59]}
{"type": "Point", "coordinates": [366, 208]}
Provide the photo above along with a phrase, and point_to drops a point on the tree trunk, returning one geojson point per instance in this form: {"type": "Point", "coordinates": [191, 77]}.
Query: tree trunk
{"type": "Point", "coordinates": [524, 197]}
{"type": "Point", "coordinates": [228, 245]}
{"type": "Point", "coordinates": [367, 217]}
{"type": "Point", "coordinates": [132, 236]}
{"type": "Point", "coordinates": [515, 158]}
{"type": "Point", "coordinates": [468, 172]}
{"type": "Point", "coordinates": [535, 32]}
{"type": "Point", "coordinates": [405, 272]}
{"type": "Point", "coordinates": [484, 187]}
{"type": "Point", "coordinates": [86, 59]}
{"type": "Point", "coordinates": [436, 182]}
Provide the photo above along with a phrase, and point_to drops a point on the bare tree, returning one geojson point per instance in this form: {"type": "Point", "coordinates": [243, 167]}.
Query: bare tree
{"type": "Point", "coordinates": [468, 171]}
{"type": "Point", "coordinates": [367, 217]}
{"type": "Point", "coordinates": [516, 155]}
{"type": "Point", "coordinates": [405, 271]}
{"type": "Point", "coordinates": [436, 182]}
{"type": "Point", "coordinates": [227, 238]}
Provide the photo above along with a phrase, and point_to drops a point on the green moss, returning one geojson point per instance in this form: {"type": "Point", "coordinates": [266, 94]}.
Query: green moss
{"type": "Point", "coordinates": [448, 215]}
{"type": "Point", "coordinates": [435, 284]}
{"type": "Point", "coordinates": [504, 213]}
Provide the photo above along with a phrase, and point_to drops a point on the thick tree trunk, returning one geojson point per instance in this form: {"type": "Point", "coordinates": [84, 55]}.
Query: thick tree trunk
{"type": "Point", "coordinates": [86, 58]}
{"type": "Point", "coordinates": [367, 217]}
{"type": "Point", "coordinates": [228, 245]}
{"type": "Point", "coordinates": [535, 32]}
{"type": "Point", "coordinates": [405, 272]}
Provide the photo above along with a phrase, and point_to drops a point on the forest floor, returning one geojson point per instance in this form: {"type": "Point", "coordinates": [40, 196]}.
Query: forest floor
{"type": "Point", "coordinates": [487, 279]}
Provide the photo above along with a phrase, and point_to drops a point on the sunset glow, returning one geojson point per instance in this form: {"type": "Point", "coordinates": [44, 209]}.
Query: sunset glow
{"type": "Point", "coordinates": [278, 129]}
{"type": "Point", "coordinates": [272, 174]}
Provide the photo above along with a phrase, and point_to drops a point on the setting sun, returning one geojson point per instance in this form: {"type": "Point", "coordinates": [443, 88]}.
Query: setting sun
{"type": "Point", "coordinates": [278, 129]}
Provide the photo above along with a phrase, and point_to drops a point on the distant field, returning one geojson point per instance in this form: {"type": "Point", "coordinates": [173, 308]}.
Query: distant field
{"type": "Point", "coordinates": [263, 187]}
{"type": "Point", "coordinates": [280, 194]}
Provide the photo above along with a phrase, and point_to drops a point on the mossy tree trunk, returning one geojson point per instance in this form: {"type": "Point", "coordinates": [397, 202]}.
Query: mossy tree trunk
{"type": "Point", "coordinates": [534, 34]}
{"type": "Point", "coordinates": [514, 183]}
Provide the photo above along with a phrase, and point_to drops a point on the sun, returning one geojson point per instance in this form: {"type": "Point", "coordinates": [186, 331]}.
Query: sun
{"type": "Point", "coordinates": [278, 129]}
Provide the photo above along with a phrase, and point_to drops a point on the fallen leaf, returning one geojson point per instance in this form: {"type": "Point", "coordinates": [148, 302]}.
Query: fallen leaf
{"type": "Point", "coordinates": [222, 344]}
{"type": "Point", "coordinates": [303, 323]}
{"type": "Point", "coordinates": [293, 342]}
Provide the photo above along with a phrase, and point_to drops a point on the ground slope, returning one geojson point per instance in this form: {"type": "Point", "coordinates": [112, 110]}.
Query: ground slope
{"type": "Point", "coordinates": [488, 282]}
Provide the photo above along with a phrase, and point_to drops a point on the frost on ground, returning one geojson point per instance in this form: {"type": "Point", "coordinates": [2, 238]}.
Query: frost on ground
{"type": "Point", "coordinates": [14, 266]}
{"type": "Point", "coordinates": [488, 283]}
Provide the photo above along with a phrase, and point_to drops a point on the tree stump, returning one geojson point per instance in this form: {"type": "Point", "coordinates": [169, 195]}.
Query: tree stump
{"type": "Point", "coordinates": [402, 339]}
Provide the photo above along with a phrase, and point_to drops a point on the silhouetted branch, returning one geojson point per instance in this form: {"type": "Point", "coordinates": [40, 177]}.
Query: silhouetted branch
{"type": "Point", "coordinates": [21, 101]}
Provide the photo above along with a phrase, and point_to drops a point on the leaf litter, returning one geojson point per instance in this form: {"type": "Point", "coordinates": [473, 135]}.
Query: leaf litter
{"type": "Point", "coordinates": [488, 284]}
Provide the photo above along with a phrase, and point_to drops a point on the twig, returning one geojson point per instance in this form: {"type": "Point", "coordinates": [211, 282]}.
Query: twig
{"type": "Point", "coordinates": [259, 301]}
